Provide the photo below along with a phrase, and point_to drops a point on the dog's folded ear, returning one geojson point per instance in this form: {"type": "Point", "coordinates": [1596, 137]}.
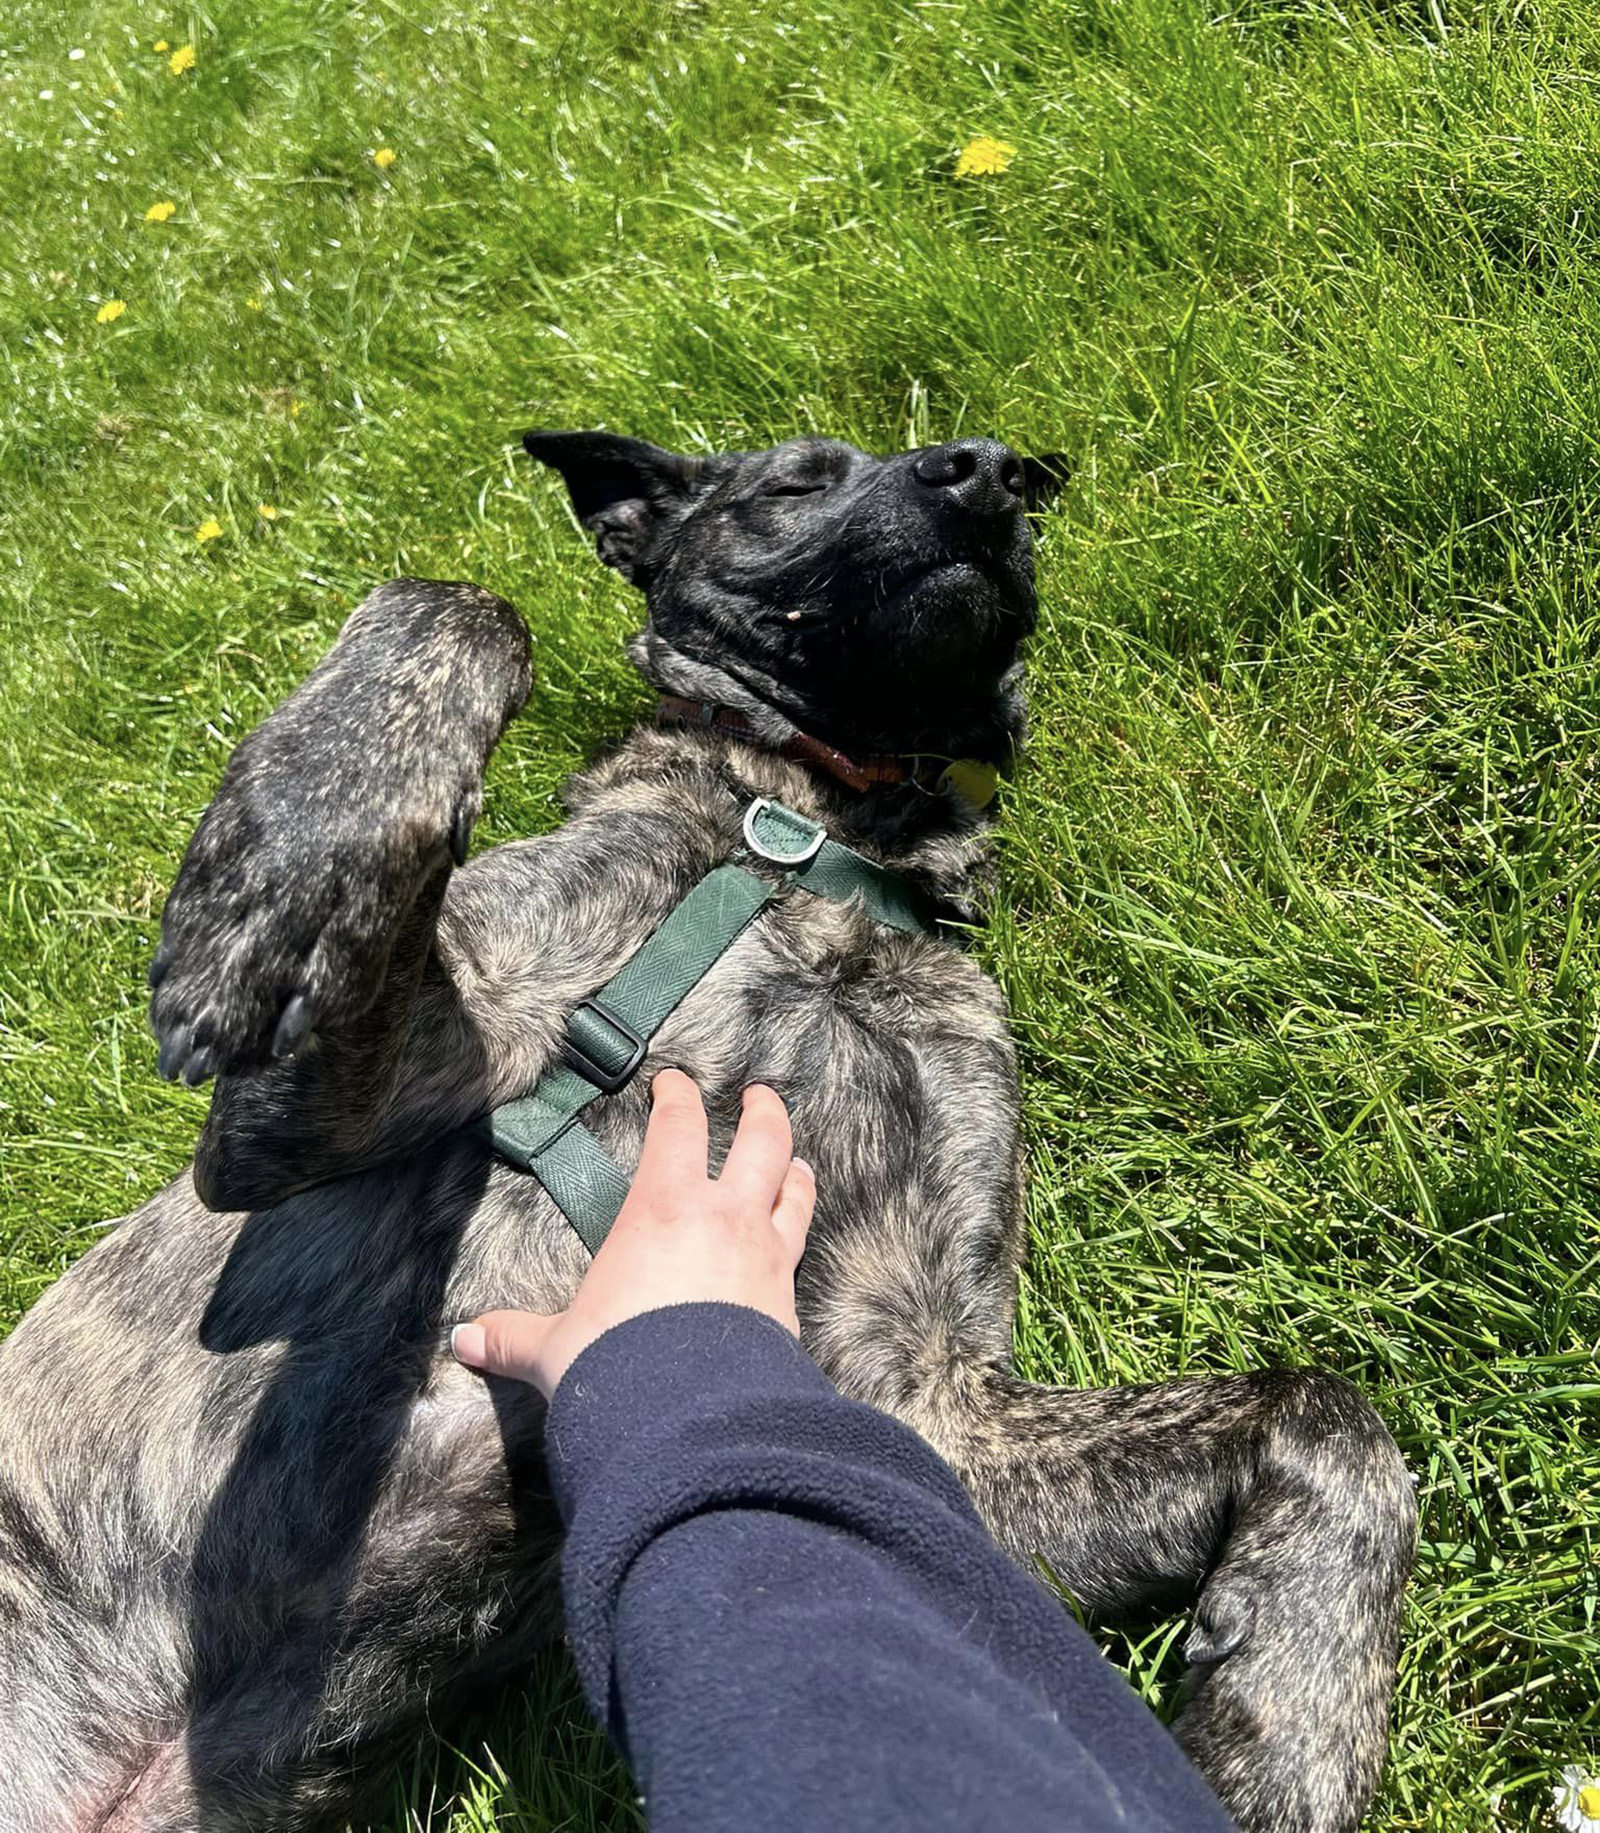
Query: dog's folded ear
{"type": "Point", "coordinates": [1044, 477]}
{"type": "Point", "coordinates": [623, 490]}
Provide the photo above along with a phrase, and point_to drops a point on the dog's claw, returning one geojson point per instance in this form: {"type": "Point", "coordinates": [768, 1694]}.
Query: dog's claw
{"type": "Point", "coordinates": [460, 835]}
{"type": "Point", "coordinates": [161, 961]}
{"type": "Point", "coordinates": [199, 1066]}
{"type": "Point", "coordinates": [172, 1055]}
{"type": "Point", "coordinates": [293, 1026]}
{"type": "Point", "coordinates": [1222, 1626]}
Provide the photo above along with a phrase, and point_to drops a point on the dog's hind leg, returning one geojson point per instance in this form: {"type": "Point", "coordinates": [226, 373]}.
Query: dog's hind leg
{"type": "Point", "coordinates": [1276, 1504]}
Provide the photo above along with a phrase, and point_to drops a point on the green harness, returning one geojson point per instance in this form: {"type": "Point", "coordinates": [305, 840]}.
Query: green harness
{"type": "Point", "coordinates": [608, 1034]}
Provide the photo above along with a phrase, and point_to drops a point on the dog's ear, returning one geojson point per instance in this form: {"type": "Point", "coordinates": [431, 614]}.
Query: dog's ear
{"type": "Point", "coordinates": [622, 490]}
{"type": "Point", "coordinates": [1044, 477]}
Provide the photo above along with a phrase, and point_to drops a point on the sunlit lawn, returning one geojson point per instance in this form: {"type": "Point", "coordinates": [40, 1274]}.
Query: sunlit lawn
{"type": "Point", "coordinates": [1298, 907]}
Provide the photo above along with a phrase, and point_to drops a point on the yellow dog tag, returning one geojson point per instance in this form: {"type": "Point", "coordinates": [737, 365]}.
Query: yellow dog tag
{"type": "Point", "coordinates": [975, 781]}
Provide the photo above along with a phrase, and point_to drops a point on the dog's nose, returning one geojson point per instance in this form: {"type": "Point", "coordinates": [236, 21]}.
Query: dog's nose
{"type": "Point", "coordinates": [980, 476]}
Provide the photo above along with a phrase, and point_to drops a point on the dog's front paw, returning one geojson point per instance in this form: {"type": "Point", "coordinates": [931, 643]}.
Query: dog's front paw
{"type": "Point", "coordinates": [284, 913]}
{"type": "Point", "coordinates": [330, 819]}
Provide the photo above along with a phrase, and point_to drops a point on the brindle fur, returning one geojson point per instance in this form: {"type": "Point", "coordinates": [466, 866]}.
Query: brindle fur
{"type": "Point", "coordinates": [255, 1523]}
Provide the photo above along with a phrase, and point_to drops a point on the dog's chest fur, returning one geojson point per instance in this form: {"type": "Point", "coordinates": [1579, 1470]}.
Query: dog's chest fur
{"type": "Point", "coordinates": [890, 1050]}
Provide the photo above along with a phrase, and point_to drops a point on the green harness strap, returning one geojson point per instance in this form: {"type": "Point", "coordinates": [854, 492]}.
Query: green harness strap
{"type": "Point", "coordinates": [608, 1034]}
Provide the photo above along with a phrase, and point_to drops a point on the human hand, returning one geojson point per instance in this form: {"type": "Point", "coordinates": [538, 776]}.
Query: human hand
{"type": "Point", "coordinates": [682, 1238]}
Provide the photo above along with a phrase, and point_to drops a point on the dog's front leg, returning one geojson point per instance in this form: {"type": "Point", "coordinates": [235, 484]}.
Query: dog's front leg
{"type": "Point", "coordinates": [306, 900]}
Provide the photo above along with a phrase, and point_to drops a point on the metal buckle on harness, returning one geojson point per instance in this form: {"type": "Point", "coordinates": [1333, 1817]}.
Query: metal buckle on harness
{"type": "Point", "coordinates": [579, 1058]}
{"type": "Point", "coordinates": [810, 841]}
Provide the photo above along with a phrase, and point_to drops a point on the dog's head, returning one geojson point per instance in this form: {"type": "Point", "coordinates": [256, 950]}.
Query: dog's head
{"type": "Point", "coordinates": [878, 603]}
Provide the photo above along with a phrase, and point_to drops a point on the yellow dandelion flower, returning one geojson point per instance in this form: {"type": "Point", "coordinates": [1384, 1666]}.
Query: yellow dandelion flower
{"type": "Point", "coordinates": [209, 530]}
{"type": "Point", "coordinates": [182, 59]}
{"type": "Point", "coordinates": [984, 157]}
{"type": "Point", "coordinates": [160, 213]}
{"type": "Point", "coordinates": [294, 410]}
{"type": "Point", "coordinates": [159, 45]}
{"type": "Point", "coordinates": [267, 513]}
{"type": "Point", "coordinates": [111, 310]}
{"type": "Point", "coordinates": [254, 302]}
{"type": "Point", "coordinates": [384, 158]}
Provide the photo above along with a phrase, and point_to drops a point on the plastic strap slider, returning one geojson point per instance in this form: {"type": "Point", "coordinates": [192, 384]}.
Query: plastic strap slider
{"type": "Point", "coordinates": [602, 1046]}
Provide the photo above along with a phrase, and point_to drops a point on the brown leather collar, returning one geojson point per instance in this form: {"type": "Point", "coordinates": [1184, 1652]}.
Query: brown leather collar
{"type": "Point", "coordinates": [964, 776]}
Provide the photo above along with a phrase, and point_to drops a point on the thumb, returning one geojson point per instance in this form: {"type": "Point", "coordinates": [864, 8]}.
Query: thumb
{"type": "Point", "coordinates": [504, 1343]}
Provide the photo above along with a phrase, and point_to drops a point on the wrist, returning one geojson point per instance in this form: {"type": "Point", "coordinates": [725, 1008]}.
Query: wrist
{"type": "Point", "coordinates": [658, 1366]}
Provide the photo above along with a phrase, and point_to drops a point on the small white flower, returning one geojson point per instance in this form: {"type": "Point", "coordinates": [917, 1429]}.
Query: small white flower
{"type": "Point", "coordinates": [75, 55]}
{"type": "Point", "coordinates": [1577, 1801]}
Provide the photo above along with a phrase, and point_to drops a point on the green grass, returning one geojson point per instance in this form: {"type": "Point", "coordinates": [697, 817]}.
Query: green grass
{"type": "Point", "coordinates": [1301, 877]}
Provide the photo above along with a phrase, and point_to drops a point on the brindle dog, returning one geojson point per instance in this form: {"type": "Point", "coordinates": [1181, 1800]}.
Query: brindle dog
{"type": "Point", "coordinates": [256, 1525]}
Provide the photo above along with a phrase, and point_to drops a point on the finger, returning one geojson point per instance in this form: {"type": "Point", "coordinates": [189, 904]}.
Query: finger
{"type": "Point", "coordinates": [675, 1143]}
{"type": "Point", "coordinates": [791, 1214]}
{"type": "Point", "coordinates": [762, 1149]}
{"type": "Point", "coordinates": [503, 1343]}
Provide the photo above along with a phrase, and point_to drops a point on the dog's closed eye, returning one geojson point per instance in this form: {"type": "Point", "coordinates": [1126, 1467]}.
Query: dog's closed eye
{"type": "Point", "coordinates": [798, 489]}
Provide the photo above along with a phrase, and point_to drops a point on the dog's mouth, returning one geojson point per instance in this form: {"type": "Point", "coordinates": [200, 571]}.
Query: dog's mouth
{"type": "Point", "coordinates": [897, 587]}
{"type": "Point", "coordinates": [953, 589]}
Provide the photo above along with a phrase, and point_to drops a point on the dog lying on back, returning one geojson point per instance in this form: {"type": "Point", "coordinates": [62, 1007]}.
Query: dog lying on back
{"type": "Point", "coordinates": [256, 1525]}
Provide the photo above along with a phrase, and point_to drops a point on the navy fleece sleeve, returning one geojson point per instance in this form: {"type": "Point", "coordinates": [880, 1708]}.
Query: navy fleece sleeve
{"type": "Point", "coordinates": [785, 1609]}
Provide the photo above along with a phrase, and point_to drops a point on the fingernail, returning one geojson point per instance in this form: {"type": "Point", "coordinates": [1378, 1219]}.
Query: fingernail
{"type": "Point", "coordinates": [468, 1344]}
{"type": "Point", "coordinates": [805, 1166]}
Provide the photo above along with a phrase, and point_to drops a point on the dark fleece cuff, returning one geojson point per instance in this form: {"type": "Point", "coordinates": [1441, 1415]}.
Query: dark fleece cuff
{"type": "Point", "coordinates": [697, 1408]}
{"type": "Point", "coordinates": [659, 1369]}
